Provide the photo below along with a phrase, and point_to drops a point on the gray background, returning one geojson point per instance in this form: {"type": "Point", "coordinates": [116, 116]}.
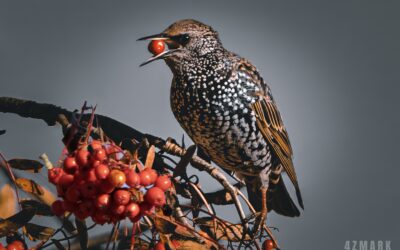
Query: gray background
{"type": "Point", "coordinates": [333, 67]}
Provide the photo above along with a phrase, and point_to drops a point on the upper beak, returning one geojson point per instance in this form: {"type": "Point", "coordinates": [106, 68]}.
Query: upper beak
{"type": "Point", "coordinates": [162, 55]}
{"type": "Point", "coordinates": [161, 36]}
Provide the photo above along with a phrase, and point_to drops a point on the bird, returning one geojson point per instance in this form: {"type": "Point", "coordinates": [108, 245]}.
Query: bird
{"type": "Point", "coordinates": [224, 105]}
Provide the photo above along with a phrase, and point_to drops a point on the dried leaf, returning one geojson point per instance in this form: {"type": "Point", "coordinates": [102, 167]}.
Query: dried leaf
{"type": "Point", "coordinates": [29, 186]}
{"type": "Point", "coordinates": [58, 244]}
{"type": "Point", "coordinates": [8, 204]}
{"type": "Point", "coordinates": [25, 164]}
{"type": "Point", "coordinates": [167, 225]}
{"type": "Point", "coordinates": [37, 232]}
{"type": "Point", "coordinates": [188, 244]}
{"type": "Point", "coordinates": [37, 190]}
{"type": "Point", "coordinates": [41, 209]}
{"type": "Point", "coordinates": [180, 169]}
{"type": "Point", "coordinates": [220, 230]}
{"type": "Point", "coordinates": [13, 223]}
{"type": "Point", "coordinates": [150, 157]}
{"type": "Point", "coordinates": [222, 197]}
{"type": "Point", "coordinates": [82, 233]}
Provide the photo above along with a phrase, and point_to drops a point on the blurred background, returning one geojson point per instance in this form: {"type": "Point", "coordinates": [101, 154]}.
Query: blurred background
{"type": "Point", "coordinates": [333, 67]}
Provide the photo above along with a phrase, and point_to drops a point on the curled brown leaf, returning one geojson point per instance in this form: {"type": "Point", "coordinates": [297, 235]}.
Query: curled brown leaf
{"type": "Point", "coordinates": [8, 202]}
{"type": "Point", "coordinates": [25, 164]}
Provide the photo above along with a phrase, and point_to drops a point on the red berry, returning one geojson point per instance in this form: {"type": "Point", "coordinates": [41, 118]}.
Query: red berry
{"type": "Point", "coordinates": [55, 174]}
{"type": "Point", "coordinates": [136, 219]}
{"type": "Point", "coordinates": [118, 209]}
{"type": "Point", "coordinates": [60, 191]}
{"type": "Point", "coordinates": [70, 165]}
{"type": "Point", "coordinates": [100, 217]}
{"type": "Point", "coordinates": [132, 210]}
{"type": "Point", "coordinates": [156, 47]}
{"type": "Point", "coordinates": [147, 177]}
{"type": "Point", "coordinates": [79, 178]}
{"type": "Point", "coordinates": [163, 182]}
{"type": "Point", "coordinates": [58, 208]}
{"type": "Point", "coordinates": [153, 174]}
{"type": "Point", "coordinates": [103, 201]}
{"type": "Point", "coordinates": [95, 145]}
{"type": "Point", "coordinates": [102, 171]}
{"type": "Point", "coordinates": [268, 245]}
{"type": "Point", "coordinates": [80, 214]}
{"type": "Point", "coordinates": [159, 246]}
{"type": "Point", "coordinates": [16, 245]}
{"type": "Point", "coordinates": [116, 178]}
{"type": "Point", "coordinates": [66, 180]}
{"type": "Point", "coordinates": [132, 178]}
{"type": "Point", "coordinates": [100, 154]}
{"type": "Point", "coordinates": [89, 175]}
{"type": "Point", "coordinates": [146, 208]}
{"type": "Point", "coordinates": [155, 196]}
{"type": "Point", "coordinates": [121, 197]}
{"type": "Point", "coordinates": [69, 206]}
{"type": "Point", "coordinates": [95, 163]}
{"type": "Point", "coordinates": [73, 194]}
{"type": "Point", "coordinates": [88, 189]}
{"type": "Point", "coordinates": [82, 157]}
{"type": "Point", "coordinates": [106, 187]}
{"type": "Point", "coordinates": [84, 210]}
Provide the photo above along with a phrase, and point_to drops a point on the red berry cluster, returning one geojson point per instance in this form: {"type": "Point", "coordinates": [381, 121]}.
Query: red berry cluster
{"type": "Point", "coordinates": [96, 182]}
{"type": "Point", "coordinates": [15, 245]}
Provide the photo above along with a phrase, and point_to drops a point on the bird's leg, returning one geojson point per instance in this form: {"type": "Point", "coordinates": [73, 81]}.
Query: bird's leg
{"type": "Point", "coordinates": [260, 221]}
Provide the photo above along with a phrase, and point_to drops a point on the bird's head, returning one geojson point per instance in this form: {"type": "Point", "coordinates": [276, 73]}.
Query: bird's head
{"type": "Point", "coordinates": [185, 39]}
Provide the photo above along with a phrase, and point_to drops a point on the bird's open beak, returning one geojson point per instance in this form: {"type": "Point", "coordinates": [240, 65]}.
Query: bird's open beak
{"type": "Point", "coordinates": [162, 55]}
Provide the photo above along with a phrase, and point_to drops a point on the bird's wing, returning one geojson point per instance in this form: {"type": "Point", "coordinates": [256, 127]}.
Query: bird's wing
{"type": "Point", "coordinates": [270, 123]}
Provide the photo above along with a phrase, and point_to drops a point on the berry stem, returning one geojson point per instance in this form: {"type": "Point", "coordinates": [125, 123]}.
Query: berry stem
{"type": "Point", "coordinates": [46, 161]}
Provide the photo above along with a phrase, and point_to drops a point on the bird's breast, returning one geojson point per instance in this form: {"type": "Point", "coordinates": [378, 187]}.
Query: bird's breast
{"type": "Point", "coordinates": [214, 111]}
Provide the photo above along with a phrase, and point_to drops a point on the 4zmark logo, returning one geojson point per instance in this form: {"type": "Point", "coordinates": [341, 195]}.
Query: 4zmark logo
{"type": "Point", "coordinates": [367, 245]}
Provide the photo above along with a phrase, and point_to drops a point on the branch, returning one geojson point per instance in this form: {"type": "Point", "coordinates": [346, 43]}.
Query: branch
{"type": "Point", "coordinates": [50, 113]}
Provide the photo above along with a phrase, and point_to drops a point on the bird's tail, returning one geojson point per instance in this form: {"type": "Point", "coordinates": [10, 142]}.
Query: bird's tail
{"type": "Point", "coordinates": [278, 198]}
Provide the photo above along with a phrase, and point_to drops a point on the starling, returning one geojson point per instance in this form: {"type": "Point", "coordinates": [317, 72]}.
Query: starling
{"type": "Point", "coordinates": [227, 109]}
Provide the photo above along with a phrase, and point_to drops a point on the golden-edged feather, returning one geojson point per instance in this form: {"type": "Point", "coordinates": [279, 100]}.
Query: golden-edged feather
{"type": "Point", "coordinates": [270, 123]}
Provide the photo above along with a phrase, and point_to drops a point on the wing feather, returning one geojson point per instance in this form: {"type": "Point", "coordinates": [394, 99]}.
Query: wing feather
{"type": "Point", "coordinates": [270, 123]}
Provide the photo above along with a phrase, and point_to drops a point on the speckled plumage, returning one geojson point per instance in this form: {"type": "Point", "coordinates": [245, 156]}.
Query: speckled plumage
{"type": "Point", "coordinates": [227, 109]}
{"type": "Point", "coordinates": [212, 101]}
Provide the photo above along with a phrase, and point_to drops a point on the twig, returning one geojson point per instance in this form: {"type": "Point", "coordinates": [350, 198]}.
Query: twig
{"type": "Point", "coordinates": [202, 165]}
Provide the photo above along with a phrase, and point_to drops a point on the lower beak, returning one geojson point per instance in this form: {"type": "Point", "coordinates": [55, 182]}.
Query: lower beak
{"type": "Point", "coordinates": [162, 55]}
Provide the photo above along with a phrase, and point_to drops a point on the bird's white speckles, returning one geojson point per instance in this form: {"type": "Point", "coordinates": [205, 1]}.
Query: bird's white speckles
{"type": "Point", "coordinates": [213, 108]}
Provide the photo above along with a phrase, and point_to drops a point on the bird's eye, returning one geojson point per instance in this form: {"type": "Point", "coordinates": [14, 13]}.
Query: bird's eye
{"type": "Point", "coordinates": [182, 39]}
